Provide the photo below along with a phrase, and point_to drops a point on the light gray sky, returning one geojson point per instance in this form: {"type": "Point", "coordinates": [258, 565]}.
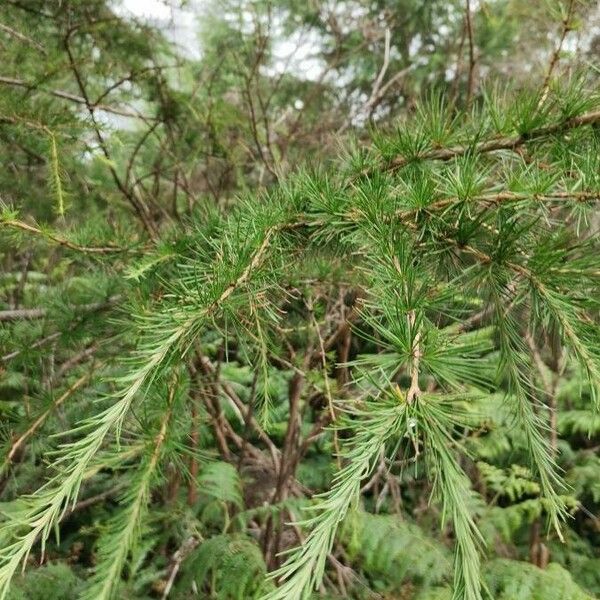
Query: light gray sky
{"type": "Point", "coordinates": [150, 9]}
{"type": "Point", "coordinates": [180, 25]}
{"type": "Point", "coordinates": [294, 54]}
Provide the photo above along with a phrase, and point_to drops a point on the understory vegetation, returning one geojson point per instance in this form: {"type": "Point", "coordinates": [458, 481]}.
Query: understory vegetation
{"type": "Point", "coordinates": [300, 300]}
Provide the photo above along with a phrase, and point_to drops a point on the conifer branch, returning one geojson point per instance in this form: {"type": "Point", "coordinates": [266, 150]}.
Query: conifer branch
{"type": "Point", "coordinates": [18, 443]}
{"type": "Point", "coordinates": [500, 143]}
{"type": "Point", "coordinates": [126, 526]}
{"type": "Point", "coordinates": [465, 234]}
{"type": "Point", "coordinates": [16, 224]}
{"type": "Point", "coordinates": [507, 197]}
{"type": "Point", "coordinates": [49, 504]}
{"type": "Point", "coordinates": [302, 572]}
{"type": "Point", "coordinates": [453, 490]}
{"type": "Point", "coordinates": [52, 500]}
{"type": "Point", "coordinates": [522, 399]}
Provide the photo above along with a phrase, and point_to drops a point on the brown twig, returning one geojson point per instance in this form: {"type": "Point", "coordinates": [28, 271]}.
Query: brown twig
{"type": "Point", "coordinates": [271, 537]}
{"type": "Point", "coordinates": [500, 143]}
{"type": "Point", "coordinates": [138, 206]}
{"type": "Point", "coordinates": [472, 59]}
{"type": "Point", "coordinates": [554, 59]}
{"type": "Point", "coordinates": [192, 491]}
{"type": "Point", "coordinates": [18, 443]}
{"type": "Point", "coordinates": [122, 112]}
{"type": "Point", "coordinates": [101, 497]}
{"type": "Point", "coordinates": [73, 361]}
{"type": "Point", "coordinates": [208, 368]}
{"type": "Point", "coordinates": [248, 419]}
{"type": "Point", "coordinates": [40, 313]}
{"type": "Point", "coordinates": [501, 198]}
{"type": "Point", "coordinates": [16, 224]}
{"type": "Point", "coordinates": [414, 390]}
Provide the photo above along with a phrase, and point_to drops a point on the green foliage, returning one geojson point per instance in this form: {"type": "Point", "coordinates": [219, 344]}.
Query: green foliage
{"type": "Point", "coordinates": [54, 580]}
{"type": "Point", "coordinates": [231, 566]}
{"type": "Point", "coordinates": [373, 426]}
{"type": "Point", "coordinates": [395, 551]}
{"type": "Point", "coordinates": [242, 360]}
{"type": "Point", "coordinates": [515, 580]}
{"type": "Point", "coordinates": [509, 579]}
{"type": "Point", "coordinates": [220, 481]}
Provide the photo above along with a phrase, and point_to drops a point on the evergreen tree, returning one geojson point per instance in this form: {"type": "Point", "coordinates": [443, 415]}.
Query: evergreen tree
{"type": "Point", "coordinates": [239, 365]}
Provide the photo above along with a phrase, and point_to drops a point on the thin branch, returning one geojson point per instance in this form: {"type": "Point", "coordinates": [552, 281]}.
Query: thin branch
{"type": "Point", "coordinates": [184, 550]}
{"type": "Point", "coordinates": [101, 497]}
{"type": "Point", "coordinates": [555, 58]}
{"type": "Point", "coordinates": [16, 224]}
{"type": "Point", "coordinates": [41, 342]}
{"type": "Point", "coordinates": [57, 334]}
{"type": "Point", "coordinates": [130, 77]}
{"type": "Point", "coordinates": [384, 67]}
{"type": "Point", "coordinates": [16, 445]}
{"type": "Point", "coordinates": [122, 112]}
{"type": "Point", "coordinates": [23, 38]}
{"type": "Point", "coordinates": [472, 60]}
{"type": "Point", "coordinates": [503, 197]}
{"type": "Point", "coordinates": [379, 89]}
{"type": "Point", "coordinates": [138, 206]}
{"type": "Point", "coordinates": [500, 143]}
{"type": "Point", "coordinates": [40, 313]}
{"type": "Point", "coordinates": [74, 360]}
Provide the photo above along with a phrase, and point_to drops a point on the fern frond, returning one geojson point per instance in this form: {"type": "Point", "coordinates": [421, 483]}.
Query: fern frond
{"type": "Point", "coordinates": [230, 566]}
{"type": "Point", "coordinates": [395, 548]}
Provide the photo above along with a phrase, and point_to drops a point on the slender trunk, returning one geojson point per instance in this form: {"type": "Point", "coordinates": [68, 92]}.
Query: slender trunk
{"type": "Point", "coordinates": [288, 462]}
{"type": "Point", "coordinates": [192, 491]}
